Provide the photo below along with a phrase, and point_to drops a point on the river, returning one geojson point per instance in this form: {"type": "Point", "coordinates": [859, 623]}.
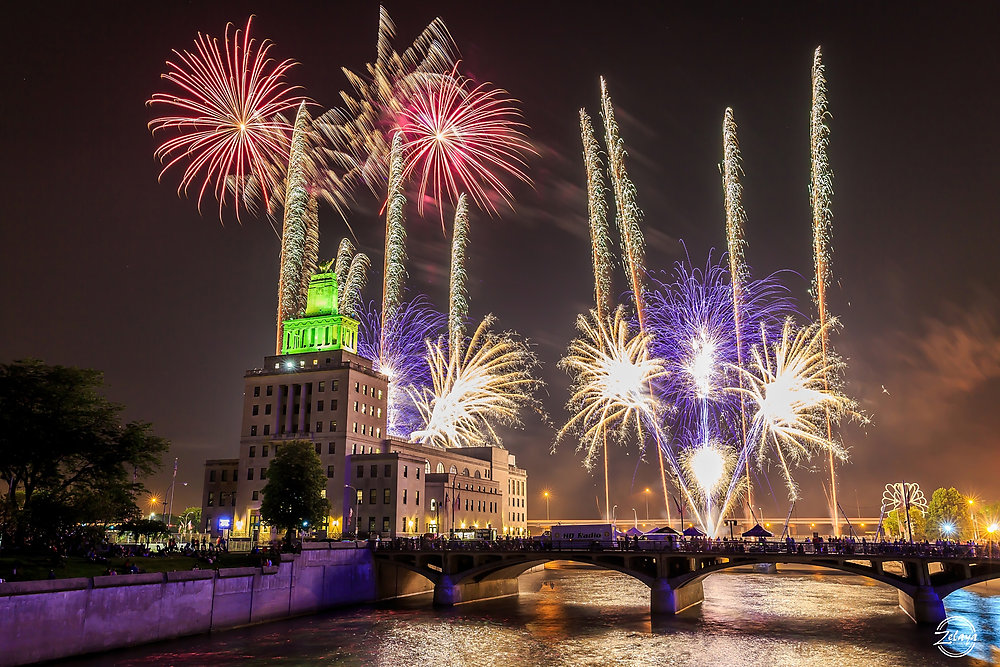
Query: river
{"type": "Point", "coordinates": [596, 617]}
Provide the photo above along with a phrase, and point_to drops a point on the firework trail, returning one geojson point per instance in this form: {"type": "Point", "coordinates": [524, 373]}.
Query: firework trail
{"type": "Point", "coordinates": [600, 243]}
{"type": "Point", "coordinates": [354, 285]}
{"type": "Point", "coordinates": [597, 209]}
{"type": "Point", "coordinates": [706, 467]}
{"type": "Point", "coordinates": [735, 220]}
{"type": "Point", "coordinates": [629, 215]}
{"type": "Point", "coordinates": [471, 393]}
{"type": "Point", "coordinates": [229, 130]}
{"type": "Point", "coordinates": [460, 138]}
{"type": "Point", "coordinates": [788, 386]}
{"type": "Point", "coordinates": [345, 253]}
{"type": "Point", "coordinates": [297, 230]}
{"type": "Point", "coordinates": [821, 195]}
{"type": "Point", "coordinates": [394, 269]}
{"type": "Point", "coordinates": [397, 351]}
{"type": "Point", "coordinates": [458, 298]}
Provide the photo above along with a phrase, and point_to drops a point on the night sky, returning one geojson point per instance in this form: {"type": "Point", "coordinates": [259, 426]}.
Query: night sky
{"type": "Point", "coordinates": [103, 267]}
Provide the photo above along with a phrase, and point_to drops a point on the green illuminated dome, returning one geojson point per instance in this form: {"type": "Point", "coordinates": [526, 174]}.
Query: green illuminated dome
{"type": "Point", "coordinates": [322, 327]}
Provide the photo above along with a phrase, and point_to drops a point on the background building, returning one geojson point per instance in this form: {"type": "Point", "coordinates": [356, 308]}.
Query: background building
{"type": "Point", "coordinates": [321, 391]}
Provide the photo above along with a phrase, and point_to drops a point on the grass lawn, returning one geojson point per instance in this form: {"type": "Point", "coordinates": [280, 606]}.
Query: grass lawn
{"type": "Point", "coordinates": [31, 567]}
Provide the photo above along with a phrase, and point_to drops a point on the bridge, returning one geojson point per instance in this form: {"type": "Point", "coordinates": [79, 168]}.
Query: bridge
{"type": "Point", "coordinates": [465, 571]}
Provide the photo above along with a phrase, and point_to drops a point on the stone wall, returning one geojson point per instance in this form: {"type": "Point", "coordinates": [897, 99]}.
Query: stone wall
{"type": "Point", "coordinates": [45, 620]}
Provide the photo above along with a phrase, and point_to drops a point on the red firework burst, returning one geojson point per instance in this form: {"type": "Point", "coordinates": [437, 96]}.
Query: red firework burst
{"type": "Point", "coordinates": [460, 138]}
{"type": "Point", "coordinates": [229, 134]}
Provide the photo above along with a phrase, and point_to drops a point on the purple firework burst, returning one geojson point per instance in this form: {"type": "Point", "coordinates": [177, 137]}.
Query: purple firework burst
{"type": "Point", "coordinates": [404, 359]}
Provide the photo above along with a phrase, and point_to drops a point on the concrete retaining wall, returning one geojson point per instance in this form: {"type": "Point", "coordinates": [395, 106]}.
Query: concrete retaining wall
{"type": "Point", "coordinates": [45, 620]}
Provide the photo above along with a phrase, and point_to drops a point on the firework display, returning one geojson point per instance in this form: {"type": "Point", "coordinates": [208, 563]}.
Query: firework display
{"type": "Point", "coordinates": [821, 195]}
{"type": "Point", "coordinates": [226, 128]}
{"type": "Point", "coordinates": [460, 139]}
{"type": "Point", "coordinates": [398, 351]}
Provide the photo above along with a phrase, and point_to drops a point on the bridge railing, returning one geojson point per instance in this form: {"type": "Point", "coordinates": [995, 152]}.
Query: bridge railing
{"type": "Point", "coordinates": [697, 546]}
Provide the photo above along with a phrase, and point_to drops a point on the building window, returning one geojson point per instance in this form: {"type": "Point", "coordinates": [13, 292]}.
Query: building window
{"type": "Point", "coordinates": [386, 496]}
{"type": "Point", "coordinates": [249, 473]}
{"type": "Point", "coordinates": [211, 499]}
{"type": "Point", "coordinates": [388, 471]}
{"type": "Point", "coordinates": [253, 429]}
{"type": "Point", "coordinates": [211, 475]}
{"type": "Point", "coordinates": [404, 496]}
{"type": "Point", "coordinates": [433, 504]}
{"type": "Point", "coordinates": [232, 499]}
{"type": "Point", "coordinates": [267, 429]}
{"type": "Point", "coordinates": [360, 496]}
{"type": "Point", "coordinates": [322, 385]}
{"type": "Point", "coordinates": [319, 406]}
{"type": "Point", "coordinates": [225, 476]}
{"type": "Point", "coordinates": [270, 388]}
{"type": "Point", "coordinates": [253, 451]}
{"type": "Point", "coordinates": [256, 392]}
{"type": "Point", "coordinates": [263, 473]}
{"type": "Point", "coordinates": [319, 429]}
{"type": "Point", "coordinates": [267, 409]}
{"type": "Point", "coordinates": [406, 470]}
{"type": "Point", "coordinates": [364, 429]}
{"type": "Point", "coordinates": [355, 427]}
{"type": "Point", "coordinates": [378, 432]}
{"type": "Point", "coordinates": [374, 473]}
{"type": "Point", "coordinates": [255, 410]}
{"type": "Point", "coordinates": [329, 472]}
{"type": "Point", "coordinates": [416, 500]}
{"type": "Point", "coordinates": [418, 471]}
{"type": "Point", "coordinates": [263, 450]}
{"type": "Point", "coordinates": [378, 413]}
{"type": "Point", "coordinates": [333, 425]}
{"type": "Point", "coordinates": [385, 524]}
{"type": "Point", "coordinates": [355, 406]}
{"type": "Point", "coordinates": [380, 394]}
{"type": "Point", "coordinates": [331, 448]}
{"type": "Point", "coordinates": [361, 472]}
{"type": "Point", "coordinates": [334, 385]}
{"type": "Point", "coordinates": [357, 386]}
{"type": "Point", "coordinates": [319, 448]}
{"type": "Point", "coordinates": [255, 495]}
{"type": "Point", "coordinates": [371, 525]}
{"type": "Point", "coordinates": [372, 496]}
{"type": "Point", "coordinates": [364, 408]}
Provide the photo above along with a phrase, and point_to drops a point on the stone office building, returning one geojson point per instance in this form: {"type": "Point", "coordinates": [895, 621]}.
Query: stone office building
{"type": "Point", "coordinates": [320, 390]}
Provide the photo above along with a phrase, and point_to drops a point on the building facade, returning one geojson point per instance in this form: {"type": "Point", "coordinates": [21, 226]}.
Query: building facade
{"type": "Point", "coordinates": [320, 390]}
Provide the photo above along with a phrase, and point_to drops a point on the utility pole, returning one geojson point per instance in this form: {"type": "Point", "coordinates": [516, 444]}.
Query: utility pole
{"type": "Point", "coordinates": [173, 482]}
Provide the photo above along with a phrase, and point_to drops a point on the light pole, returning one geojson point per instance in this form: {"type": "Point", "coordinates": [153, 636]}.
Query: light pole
{"type": "Point", "coordinates": [173, 481]}
{"type": "Point", "coordinates": [546, 494]}
{"type": "Point", "coordinates": [646, 495]}
{"type": "Point", "coordinates": [635, 515]}
{"type": "Point", "coordinates": [152, 507]}
{"type": "Point", "coordinates": [614, 515]}
{"type": "Point", "coordinates": [354, 509]}
{"type": "Point", "coordinates": [972, 515]}
{"type": "Point", "coordinates": [992, 528]}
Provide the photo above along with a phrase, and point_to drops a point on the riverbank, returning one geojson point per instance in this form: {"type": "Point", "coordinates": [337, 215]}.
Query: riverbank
{"type": "Point", "coordinates": [93, 614]}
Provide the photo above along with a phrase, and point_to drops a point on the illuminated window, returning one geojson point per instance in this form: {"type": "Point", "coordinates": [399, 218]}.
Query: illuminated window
{"type": "Point", "coordinates": [380, 394]}
{"type": "Point", "coordinates": [334, 385]}
{"type": "Point", "coordinates": [378, 412]}
{"type": "Point", "coordinates": [385, 524]}
{"type": "Point", "coordinates": [357, 386]}
{"type": "Point", "coordinates": [404, 496]}
{"type": "Point", "coordinates": [333, 425]}
{"type": "Point", "coordinates": [211, 499]}
{"type": "Point", "coordinates": [416, 500]}
{"type": "Point", "coordinates": [319, 429]}
{"type": "Point", "coordinates": [253, 429]}
{"type": "Point", "coordinates": [355, 427]}
{"type": "Point", "coordinates": [355, 406]}
{"type": "Point", "coordinates": [372, 496]}
{"type": "Point", "coordinates": [366, 390]}
{"type": "Point", "coordinates": [322, 385]}
{"type": "Point", "coordinates": [329, 472]}
{"type": "Point", "coordinates": [256, 391]}
{"type": "Point", "coordinates": [406, 470]}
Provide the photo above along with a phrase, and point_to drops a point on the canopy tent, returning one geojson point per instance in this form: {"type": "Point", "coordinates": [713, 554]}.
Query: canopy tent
{"type": "Point", "coordinates": [664, 530]}
{"type": "Point", "coordinates": [694, 531]}
{"type": "Point", "coordinates": [758, 531]}
{"type": "Point", "coordinates": [633, 532]}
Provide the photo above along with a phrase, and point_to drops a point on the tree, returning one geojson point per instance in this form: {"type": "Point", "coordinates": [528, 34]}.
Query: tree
{"type": "Point", "coordinates": [148, 528]}
{"type": "Point", "coordinates": [293, 494]}
{"type": "Point", "coordinates": [65, 455]}
{"type": "Point", "coordinates": [895, 524]}
{"type": "Point", "coordinates": [948, 516]}
{"type": "Point", "coordinates": [192, 516]}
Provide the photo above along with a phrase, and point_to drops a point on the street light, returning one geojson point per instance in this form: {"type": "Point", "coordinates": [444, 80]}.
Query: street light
{"type": "Point", "coordinates": [354, 509]}
{"type": "Point", "coordinates": [152, 507]}
{"type": "Point", "coordinates": [546, 494]}
{"type": "Point", "coordinates": [635, 516]}
{"type": "Point", "coordinates": [975, 527]}
{"type": "Point", "coordinates": [614, 515]}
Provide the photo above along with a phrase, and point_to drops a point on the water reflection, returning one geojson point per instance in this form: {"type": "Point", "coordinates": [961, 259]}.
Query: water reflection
{"type": "Point", "coordinates": [595, 617]}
